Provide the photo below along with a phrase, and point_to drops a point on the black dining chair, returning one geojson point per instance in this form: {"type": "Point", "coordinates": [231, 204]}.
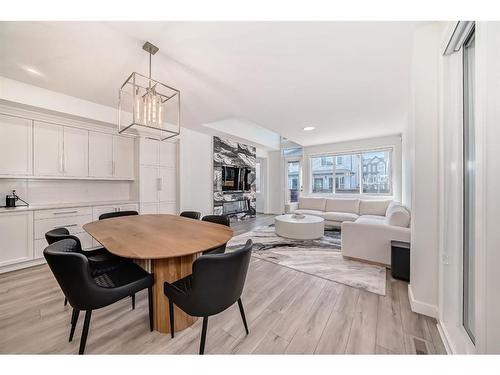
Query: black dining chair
{"type": "Point", "coordinates": [217, 219]}
{"type": "Point", "coordinates": [110, 215]}
{"type": "Point", "coordinates": [216, 283]}
{"type": "Point", "coordinates": [100, 260]}
{"type": "Point", "coordinates": [87, 293]}
{"type": "Point", "coordinates": [191, 214]}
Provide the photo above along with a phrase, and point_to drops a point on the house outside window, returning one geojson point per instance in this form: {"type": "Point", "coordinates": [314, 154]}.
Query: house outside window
{"type": "Point", "coordinates": [366, 172]}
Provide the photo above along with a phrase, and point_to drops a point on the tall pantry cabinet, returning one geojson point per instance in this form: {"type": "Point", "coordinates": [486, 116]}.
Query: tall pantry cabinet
{"type": "Point", "coordinates": [158, 176]}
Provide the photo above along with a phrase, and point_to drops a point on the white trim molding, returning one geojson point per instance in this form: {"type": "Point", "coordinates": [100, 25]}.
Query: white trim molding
{"type": "Point", "coordinates": [422, 307]}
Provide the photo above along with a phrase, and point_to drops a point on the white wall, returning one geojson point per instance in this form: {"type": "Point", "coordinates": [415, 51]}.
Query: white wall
{"type": "Point", "coordinates": [423, 128]}
{"type": "Point", "coordinates": [275, 186]}
{"type": "Point", "coordinates": [393, 141]}
{"type": "Point", "coordinates": [196, 171]}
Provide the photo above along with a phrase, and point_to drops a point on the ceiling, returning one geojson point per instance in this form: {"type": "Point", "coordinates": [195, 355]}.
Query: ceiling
{"type": "Point", "coordinates": [349, 80]}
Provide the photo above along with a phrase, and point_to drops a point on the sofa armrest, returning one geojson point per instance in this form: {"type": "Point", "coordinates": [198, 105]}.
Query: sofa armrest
{"type": "Point", "coordinates": [291, 207]}
{"type": "Point", "coordinates": [371, 242]}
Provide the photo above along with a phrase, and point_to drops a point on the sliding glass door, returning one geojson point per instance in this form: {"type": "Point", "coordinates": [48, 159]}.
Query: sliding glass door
{"type": "Point", "coordinates": [469, 173]}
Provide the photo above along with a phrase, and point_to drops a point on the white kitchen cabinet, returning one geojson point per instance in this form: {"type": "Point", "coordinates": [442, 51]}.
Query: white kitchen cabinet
{"type": "Point", "coordinates": [168, 154]}
{"type": "Point", "coordinates": [167, 208]}
{"type": "Point", "coordinates": [168, 184]}
{"type": "Point", "coordinates": [100, 155]}
{"type": "Point", "coordinates": [76, 152]}
{"type": "Point", "coordinates": [48, 149]}
{"type": "Point", "coordinates": [123, 157]}
{"type": "Point", "coordinates": [158, 176]}
{"type": "Point", "coordinates": [149, 208]}
{"type": "Point", "coordinates": [149, 184]}
{"type": "Point", "coordinates": [16, 145]}
{"type": "Point", "coordinates": [16, 232]}
{"type": "Point", "coordinates": [149, 151]}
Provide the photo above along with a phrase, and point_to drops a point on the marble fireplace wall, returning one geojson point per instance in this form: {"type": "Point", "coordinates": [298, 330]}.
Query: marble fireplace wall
{"type": "Point", "coordinates": [232, 154]}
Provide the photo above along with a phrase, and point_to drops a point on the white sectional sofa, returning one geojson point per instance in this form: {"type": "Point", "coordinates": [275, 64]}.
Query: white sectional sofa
{"type": "Point", "coordinates": [368, 226]}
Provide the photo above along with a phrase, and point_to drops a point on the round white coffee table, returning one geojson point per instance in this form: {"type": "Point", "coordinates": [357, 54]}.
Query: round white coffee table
{"type": "Point", "coordinates": [308, 228]}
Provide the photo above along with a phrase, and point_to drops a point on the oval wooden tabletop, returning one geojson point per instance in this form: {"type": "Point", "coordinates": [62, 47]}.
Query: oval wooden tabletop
{"type": "Point", "coordinates": [157, 236]}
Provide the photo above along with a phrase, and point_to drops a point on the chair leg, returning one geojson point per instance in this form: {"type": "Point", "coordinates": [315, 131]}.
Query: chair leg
{"type": "Point", "coordinates": [65, 301]}
{"type": "Point", "coordinates": [74, 320]}
{"type": "Point", "coordinates": [203, 334]}
{"type": "Point", "coordinates": [85, 332]}
{"type": "Point", "coordinates": [150, 303]}
{"type": "Point", "coordinates": [242, 312]}
{"type": "Point", "coordinates": [133, 301]}
{"type": "Point", "coordinates": [171, 314]}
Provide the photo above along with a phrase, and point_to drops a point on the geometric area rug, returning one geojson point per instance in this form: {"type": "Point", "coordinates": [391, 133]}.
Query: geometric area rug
{"type": "Point", "coordinates": [321, 258]}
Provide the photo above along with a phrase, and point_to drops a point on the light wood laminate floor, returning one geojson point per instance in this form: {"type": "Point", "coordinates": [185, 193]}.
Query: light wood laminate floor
{"type": "Point", "coordinates": [287, 312]}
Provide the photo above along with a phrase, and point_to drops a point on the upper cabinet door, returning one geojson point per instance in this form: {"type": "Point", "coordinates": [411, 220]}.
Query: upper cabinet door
{"type": "Point", "coordinates": [168, 154]}
{"type": "Point", "coordinates": [76, 152]}
{"type": "Point", "coordinates": [100, 154]}
{"type": "Point", "coordinates": [48, 149]}
{"type": "Point", "coordinates": [123, 157]}
{"type": "Point", "coordinates": [16, 146]}
{"type": "Point", "coordinates": [149, 152]}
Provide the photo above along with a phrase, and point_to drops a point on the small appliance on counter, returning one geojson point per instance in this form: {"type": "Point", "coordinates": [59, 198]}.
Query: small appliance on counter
{"type": "Point", "coordinates": [11, 199]}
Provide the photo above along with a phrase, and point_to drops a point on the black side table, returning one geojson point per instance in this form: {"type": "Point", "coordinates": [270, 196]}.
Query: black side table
{"type": "Point", "coordinates": [400, 260]}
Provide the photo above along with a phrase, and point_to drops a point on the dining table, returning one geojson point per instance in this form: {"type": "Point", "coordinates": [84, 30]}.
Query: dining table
{"type": "Point", "coordinates": [165, 245]}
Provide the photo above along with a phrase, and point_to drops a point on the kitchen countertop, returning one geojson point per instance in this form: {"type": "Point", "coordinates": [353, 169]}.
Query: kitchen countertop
{"type": "Point", "coordinates": [52, 206]}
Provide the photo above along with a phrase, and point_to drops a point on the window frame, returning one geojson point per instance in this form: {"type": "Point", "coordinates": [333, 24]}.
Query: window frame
{"type": "Point", "coordinates": [334, 155]}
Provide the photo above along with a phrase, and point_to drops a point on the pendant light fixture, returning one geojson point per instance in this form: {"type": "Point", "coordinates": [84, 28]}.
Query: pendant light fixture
{"type": "Point", "coordinates": [148, 107]}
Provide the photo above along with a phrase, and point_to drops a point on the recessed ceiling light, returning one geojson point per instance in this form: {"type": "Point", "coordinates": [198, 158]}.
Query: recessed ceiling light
{"type": "Point", "coordinates": [309, 128]}
{"type": "Point", "coordinates": [32, 71]}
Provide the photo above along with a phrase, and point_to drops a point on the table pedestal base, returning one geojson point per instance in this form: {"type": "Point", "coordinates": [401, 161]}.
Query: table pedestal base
{"type": "Point", "coordinates": [170, 270]}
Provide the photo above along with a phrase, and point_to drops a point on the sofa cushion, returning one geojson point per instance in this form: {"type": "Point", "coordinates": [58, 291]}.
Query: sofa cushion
{"type": "Point", "coordinates": [350, 205]}
{"type": "Point", "coordinates": [340, 216]}
{"type": "Point", "coordinates": [372, 219]}
{"type": "Point", "coordinates": [309, 212]}
{"type": "Point", "coordinates": [398, 216]}
{"type": "Point", "coordinates": [373, 207]}
{"type": "Point", "coordinates": [312, 203]}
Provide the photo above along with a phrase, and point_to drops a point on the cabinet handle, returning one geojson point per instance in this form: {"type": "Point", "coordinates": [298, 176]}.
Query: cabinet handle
{"type": "Point", "coordinates": [61, 166]}
{"type": "Point", "coordinates": [65, 212]}
{"type": "Point", "coordinates": [113, 167]}
{"type": "Point", "coordinates": [66, 226]}
{"type": "Point", "coordinates": [159, 183]}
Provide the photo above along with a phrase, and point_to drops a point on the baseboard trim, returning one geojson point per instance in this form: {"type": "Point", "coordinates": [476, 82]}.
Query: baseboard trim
{"type": "Point", "coordinates": [422, 307]}
{"type": "Point", "coordinates": [444, 338]}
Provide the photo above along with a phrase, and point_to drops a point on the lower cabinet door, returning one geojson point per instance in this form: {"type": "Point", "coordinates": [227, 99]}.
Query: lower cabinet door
{"type": "Point", "coordinates": [16, 234]}
{"type": "Point", "coordinates": [149, 208]}
{"type": "Point", "coordinates": [168, 208]}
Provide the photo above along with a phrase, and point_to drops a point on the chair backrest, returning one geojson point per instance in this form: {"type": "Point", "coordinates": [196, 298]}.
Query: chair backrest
{"type": "Point", "coordinates": [218, 279]}
{"type": "Point", "coordinates": [59, 234]}
{"type": "Point", "coordinates": [217, 219]}
{"type": "Point", "coordinates": [191, 214]}
{"type": "Point", "coordinates": [109, 215]}
{"type": "Point", "coordinates": [72, 272]}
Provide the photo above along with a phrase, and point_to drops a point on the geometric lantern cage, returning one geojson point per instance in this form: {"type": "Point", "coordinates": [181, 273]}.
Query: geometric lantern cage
{"type": "Point", "coordinates": [148, 107]}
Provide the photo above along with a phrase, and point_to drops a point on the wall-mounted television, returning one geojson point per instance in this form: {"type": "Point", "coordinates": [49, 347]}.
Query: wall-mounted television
{"type": "Point", "coordinates": [235, 179]}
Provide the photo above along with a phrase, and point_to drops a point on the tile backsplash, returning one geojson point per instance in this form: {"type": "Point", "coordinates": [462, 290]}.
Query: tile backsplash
{"type": "Point", "coordinates": [65, 191]}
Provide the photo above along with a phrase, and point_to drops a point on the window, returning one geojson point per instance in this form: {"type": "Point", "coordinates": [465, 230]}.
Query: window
{"type": "Point", "coordinates": [377, 179]}
{"type": "Point", "coordinates": [257, 176]}
{"type": "Point", "coordinates": [322, 174]}
{"type": "Point", "coordinates": [348, 174]}
{"type": "Point", "coordinates": [367, 172]}
{"type": "Point", "coordinates": [469, 189]}
{"type": "Point", "coordinates": [293, 173]}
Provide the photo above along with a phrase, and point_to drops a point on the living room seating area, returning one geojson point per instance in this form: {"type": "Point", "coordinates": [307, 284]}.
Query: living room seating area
{"type": "Point", "coordinates": [367, 226]}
